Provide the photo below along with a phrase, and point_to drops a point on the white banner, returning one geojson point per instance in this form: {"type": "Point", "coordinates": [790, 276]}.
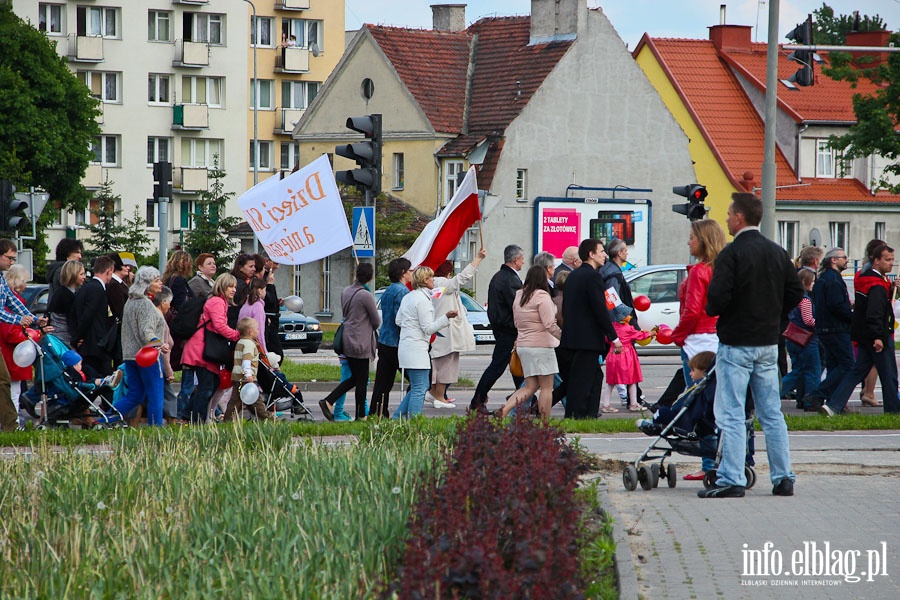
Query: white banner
{"type": "Point", "coordinates": [300, 218]}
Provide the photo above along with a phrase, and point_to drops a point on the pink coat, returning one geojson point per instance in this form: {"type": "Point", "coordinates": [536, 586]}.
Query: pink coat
{"type": "Point", "coordinates": [215, 312]}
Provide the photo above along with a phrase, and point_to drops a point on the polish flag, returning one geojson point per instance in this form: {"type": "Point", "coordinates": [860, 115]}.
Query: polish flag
{"type": "Point", "coordinates": [442, 236]}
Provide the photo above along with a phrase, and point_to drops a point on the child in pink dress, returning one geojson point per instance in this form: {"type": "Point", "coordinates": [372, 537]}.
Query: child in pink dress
{"type": "Point", "coordinates": [624, 368]}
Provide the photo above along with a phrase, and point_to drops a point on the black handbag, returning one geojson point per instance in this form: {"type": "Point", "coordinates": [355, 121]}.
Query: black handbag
{"type": "Point", "coordinates": [338, 343]}
{"type": "Point", "coordinates": [110, 339]}
{"type": "Point", "coordinates": [216, 348]}
{"type": "Point", "coordinates": [797, 334]}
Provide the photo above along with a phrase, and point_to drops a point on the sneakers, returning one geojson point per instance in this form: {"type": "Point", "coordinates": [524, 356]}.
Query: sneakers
{"type": "Point", "coordinates": [724, 491]}
{"type": "Point", "coordinates": [785, 487]}
{"type": "Point", "coordinates": [826, 410]}
{"type": "Point", "coordinates": [440, 403]}
{"type": "Point", "coordinates": [343, 417]}
{"type": "Point", "coordinates": [648, 427]}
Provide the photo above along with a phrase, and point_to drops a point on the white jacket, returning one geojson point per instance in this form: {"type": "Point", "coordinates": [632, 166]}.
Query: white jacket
{"type": "Point", "coordinates": [417, 323]}
{"type": "Point", "coordinates": [459, 337]}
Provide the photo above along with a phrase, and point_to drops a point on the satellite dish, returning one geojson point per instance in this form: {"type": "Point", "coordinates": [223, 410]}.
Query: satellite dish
{"type": "Point", "coordinates": [815, 237]}
{"type": "Point", "coordinates": [315, 49]}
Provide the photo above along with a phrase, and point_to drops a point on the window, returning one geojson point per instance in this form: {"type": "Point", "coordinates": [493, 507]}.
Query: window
{"type": "Point", "coordinates": [453, 169]}
{"type": "Point", "coordinates": [521, 185]}
{"type": "Point", "coordinates": [202, 90]}
{"type": "Point", "coordinates": [50, 18]}
{"type": "Point", "coordinates": [788, 236]}
{"type": "Point", "coordinates": [187, 214]}
{"type": "Point", "coordinates": [265, 155]}
{"type": "Point", "coordinates": [196, 152]}
{"type": "Point", "coordinates": [150, 215]}
{"type": "Point", "coordinates": [307, 32]}
{"type": "Point", "coordinates": [158, 26]}
{"type": "Point", "coordinates": [103, 85]}
{"type": "Point", "coordinates": [398, 171]}
{"type": "Point", "coordinates": [158, 89]}
{"type": "Point", "coordinates": [325, 285]}
{"type": "Point", "coordinates": [159, 150]}
{"type": "Point", "coordinates": [261, 30]}
{"type": "Point", "coordinates": [290, 155]}
{"type": "Point", "coordinates": [265, 87]}
{"type": "Point", "coordinates": [824, 159]}
{"type": "Point", "coordinates": [658, 286]}
{"type": "Point", "coordinates": [203, 27]}
{"type": "Point", "coordinates": [105, 149]}
{"type": "Point", "coordinates": [96, 20]}
{"type": "Point", "coordinates": [840, 234]}
{"type": "Point", "coordinates": [879, 230]}
{"type": "Point", "coordinates": [298, 94]}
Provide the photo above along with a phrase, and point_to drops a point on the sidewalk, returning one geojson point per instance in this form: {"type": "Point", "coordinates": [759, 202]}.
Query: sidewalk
{"type": "Point", "coordinates": [844, 510]}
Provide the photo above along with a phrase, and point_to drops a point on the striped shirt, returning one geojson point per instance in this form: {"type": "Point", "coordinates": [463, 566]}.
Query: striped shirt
{"type": "Point", "coordinates": [9, 300]}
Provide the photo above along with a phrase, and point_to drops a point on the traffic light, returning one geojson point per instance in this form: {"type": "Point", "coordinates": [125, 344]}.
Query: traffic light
{"type": "Point", "coordinates": [162, 181]}
{"type": "Point", "coordinates": [12, 216]}
{"type": "Point", "coordinates": [802, 35]}
{"type": "Point", "coordinates": [693, 209]}
{"type": "Point", "coordinates": [367, 155]}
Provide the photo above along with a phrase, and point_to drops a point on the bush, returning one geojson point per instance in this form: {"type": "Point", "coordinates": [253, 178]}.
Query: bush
{"type": "Point", "coordinates": [501, 520]}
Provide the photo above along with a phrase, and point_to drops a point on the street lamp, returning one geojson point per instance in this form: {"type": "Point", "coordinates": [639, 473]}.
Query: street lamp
{"type": "Point", "coordinates": [255, 113]}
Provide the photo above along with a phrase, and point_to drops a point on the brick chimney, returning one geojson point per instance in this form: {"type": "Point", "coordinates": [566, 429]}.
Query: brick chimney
{"type": "Point", "coordinates": [869, 38]}
{"type": "Point", "coordinates": [730, 37]}
{"type": "Point", "coordinates": [555, 20]}
{"type": "Point", "coordinates": [448, 17]}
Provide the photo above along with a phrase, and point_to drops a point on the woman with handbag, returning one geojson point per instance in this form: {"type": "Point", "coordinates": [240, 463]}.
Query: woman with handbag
{"type": "Point", "coordinates": [209, 351]}
{"type": "Point", "coordinates": [696, 330]}
{"type": "Point", "coordinates": [361, 320]}
{"type": "Point", "coordinates": [538, 335]}
{"type": "Point", "coordinates": [806, 366]}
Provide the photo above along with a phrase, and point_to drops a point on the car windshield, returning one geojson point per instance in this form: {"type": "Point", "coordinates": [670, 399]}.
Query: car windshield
{"type": "Point", "coordinates": [30, 292]}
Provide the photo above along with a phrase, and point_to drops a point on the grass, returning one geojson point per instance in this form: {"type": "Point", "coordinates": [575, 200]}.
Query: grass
{"type": "Point", "coordinates": [325, 372]}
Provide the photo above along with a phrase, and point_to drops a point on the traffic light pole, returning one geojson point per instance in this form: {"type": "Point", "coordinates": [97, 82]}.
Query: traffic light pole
{"type": "Point", "coordinates": [163, 204]}
{"type": "Point", "coordinates": [767, 226]}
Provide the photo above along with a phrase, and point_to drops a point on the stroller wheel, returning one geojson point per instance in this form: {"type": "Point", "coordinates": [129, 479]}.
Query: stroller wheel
{"type": "Point", "coordinates": [710, 479]}
{"type": "Point", "coordinates": [654, 471]}
{"type": "Point", "coordinates": [630, 478]}
{"type": "Point", "coordinates": [750, 474]}
{"type": "Point", "coordinates": [645, 477]}
{"type": "Point", "coordinates": [671, 476]}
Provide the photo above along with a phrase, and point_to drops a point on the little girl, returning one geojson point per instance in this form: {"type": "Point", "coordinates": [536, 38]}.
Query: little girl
{"type": "Point", "coordinates": [624, 368]}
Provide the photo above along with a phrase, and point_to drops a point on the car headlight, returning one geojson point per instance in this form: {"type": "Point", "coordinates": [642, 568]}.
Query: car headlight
{"type": "Point", "coordinates": [313, 327]}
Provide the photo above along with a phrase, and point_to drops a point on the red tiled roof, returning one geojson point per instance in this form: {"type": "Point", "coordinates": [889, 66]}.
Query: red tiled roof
{"type": "Point", "coordinates": [432, 65]}
{"type": "Point", "coordinates": [730, 123]}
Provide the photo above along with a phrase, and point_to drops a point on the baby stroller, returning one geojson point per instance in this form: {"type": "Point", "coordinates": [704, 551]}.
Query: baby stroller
{"type": "Point", "coordinates": [687, 428]}
{"type": "Point", "coordinates": [281, 397]}
{"type": "Point", "coordinates": [56, 398]}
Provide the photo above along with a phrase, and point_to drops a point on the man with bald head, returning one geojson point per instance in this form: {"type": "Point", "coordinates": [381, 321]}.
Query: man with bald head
{"type": "Point", "coordinates": [570, 261]}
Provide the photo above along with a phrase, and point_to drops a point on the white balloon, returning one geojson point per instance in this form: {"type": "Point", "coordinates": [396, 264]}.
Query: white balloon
{"type": "Point", "coordinates": [294, 304]}
{"type": "Point", "coordinates": [25, 353]}
{"type": "Point", "coordinates": [249, 393]}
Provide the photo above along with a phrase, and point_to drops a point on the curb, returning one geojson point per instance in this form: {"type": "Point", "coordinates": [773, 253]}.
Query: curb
{"type": "Point", "coordinates": [626, 574]}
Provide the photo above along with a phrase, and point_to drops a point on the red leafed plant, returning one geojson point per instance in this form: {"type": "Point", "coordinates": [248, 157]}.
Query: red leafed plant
{"type": "Point", "coordinates": [500, 521]}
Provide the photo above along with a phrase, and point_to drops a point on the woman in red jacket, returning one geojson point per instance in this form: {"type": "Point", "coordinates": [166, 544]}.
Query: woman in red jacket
{"type": "Point", "coordinates": [696, 330]}
{"type": "Point", "coordinates": [215, 317]}
{"type": "Point", "coordinates": [10, 335]}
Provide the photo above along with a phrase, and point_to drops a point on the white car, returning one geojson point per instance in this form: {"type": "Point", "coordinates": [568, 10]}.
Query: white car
{"type": "Point", "coordinates": [660, 284]}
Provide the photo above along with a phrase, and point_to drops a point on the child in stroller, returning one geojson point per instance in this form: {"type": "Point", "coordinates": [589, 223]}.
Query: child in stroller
{"type": "Point", "coordinates": [281, 395]}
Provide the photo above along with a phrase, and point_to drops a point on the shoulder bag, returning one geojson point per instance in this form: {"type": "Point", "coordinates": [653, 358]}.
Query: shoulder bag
{"type": "Point", "coordinates": [515, 364]}
{"type": "Point", "coordinates": [216, 347]}
{"type": "Point", "coordinates": [797, 334]}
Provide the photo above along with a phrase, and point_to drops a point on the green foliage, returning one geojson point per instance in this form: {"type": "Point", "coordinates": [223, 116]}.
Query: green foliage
{"type": "Point", "coordinates": [831, 30]}
{"type": "Point", "coordinates": [135, 238]}
{"type": "Point", "coordinates": [107, 235]}
{"type": "Point", "coordinates": [47, 116]}
{"type": "Point", "coordinates": [211, 227]}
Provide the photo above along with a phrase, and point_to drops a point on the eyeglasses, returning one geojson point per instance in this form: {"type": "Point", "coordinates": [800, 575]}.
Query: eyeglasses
{"type": "Point", "coordinates": [10, 258]}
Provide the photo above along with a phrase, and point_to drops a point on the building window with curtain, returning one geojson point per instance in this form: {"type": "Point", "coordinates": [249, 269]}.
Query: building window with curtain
{"type": "Point", "coordinates": [398, 171]}
{"type": "Point", "coordinates": [840, 234]}
{"type": "Point", "coordinates": [787, 237]}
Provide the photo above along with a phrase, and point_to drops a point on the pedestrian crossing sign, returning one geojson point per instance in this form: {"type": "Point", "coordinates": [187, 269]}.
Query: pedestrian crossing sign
{"type": "Point", "coordinates": [364, 231]}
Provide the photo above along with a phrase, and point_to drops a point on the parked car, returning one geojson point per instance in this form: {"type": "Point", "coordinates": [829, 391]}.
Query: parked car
{"type": "Point", "coordinates": [476, 314]}
{"type": "Point", "coordinates": [36, 295]}
{"type": "Point", "coordinates": [296, 330]}
{"type": "Point", "coordinates": [660, 284]}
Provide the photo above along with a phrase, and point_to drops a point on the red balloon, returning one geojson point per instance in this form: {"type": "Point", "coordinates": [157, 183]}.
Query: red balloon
{"type": "Point", "coordinates": [146, 356]}
{"type": "Point", "coordinates": [641, 303]}
{"type": "Point", "coordinates": [224, 379]}
{"type": "Point", "coordinates": [664, 335]}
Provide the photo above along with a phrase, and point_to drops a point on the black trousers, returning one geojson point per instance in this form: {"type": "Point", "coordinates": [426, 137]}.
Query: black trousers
{"type": "Point", "coordinates": [499, 362]}
{"type": "Point", "coordinates": [584, 383]}
{"type": "Point", "coordinates": [359, 376]}
{"type": "Point", "coordinates": [385, 371]}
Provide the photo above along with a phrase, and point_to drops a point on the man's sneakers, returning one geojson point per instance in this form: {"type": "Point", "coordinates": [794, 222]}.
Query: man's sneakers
{"type": "Point", "coordinates": [723, 491]}
{"type": "Point", "coordinates": [826, 410]}
{"type": "Point", "coordinates": [785, 487]}
{"type": "Point", "coordinates": [437, 403]}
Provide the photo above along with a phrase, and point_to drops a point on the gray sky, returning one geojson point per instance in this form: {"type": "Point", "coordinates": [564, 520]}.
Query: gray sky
{"type": "Point", "coordinates": [631, 18]}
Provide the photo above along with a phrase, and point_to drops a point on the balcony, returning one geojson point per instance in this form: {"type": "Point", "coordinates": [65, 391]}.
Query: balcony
{"type": "Point", "coordinates": [292, 5]}
{"type": "Point", "coordinates": [85, 48]}
{"type": "Point", "coordinates": [190, 117]}
{"type": "Point", "coordinates": [191, 2]}
{"type": "Point", "coordinates": [292, 60]}
{"type": "Point", "coordinates": [191, 54]}
{"type": "Point", "coordinates": [93, 177]}
{"type": "Point", "coordinates": [289, 118]}
{"type": "Point", "coordinates": [191, 179]}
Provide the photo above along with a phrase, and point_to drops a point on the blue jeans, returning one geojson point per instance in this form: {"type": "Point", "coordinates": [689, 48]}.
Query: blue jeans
{"type": "Point", "coordinates": [144, 382]}
{"type": "Point", "coordinates": [706, 463]}
{"type": "Point", "coordinates": [838, 361]}
{"type": "Point", "coordinates": [184, 394]}
{"type": "Point", "coordinates": [736, 366]}
{"type": "Point", "coordinates": [806, 368]}
{"type": "Point", "coordinates": [419, 382]}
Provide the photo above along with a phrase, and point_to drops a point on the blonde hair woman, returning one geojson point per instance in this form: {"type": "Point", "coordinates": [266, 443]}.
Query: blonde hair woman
{"type": "Point", "coordinates": [62, 303]}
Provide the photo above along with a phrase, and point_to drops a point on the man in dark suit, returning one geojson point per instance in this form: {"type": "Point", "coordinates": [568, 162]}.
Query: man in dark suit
{"type": "Point", "coordinates": [94, 320]}
{"type": "Point", "coordinates": [586, 328]}
{"type": "Point", "coordinates": [116, 296]}
{"type": "Point", "coordinates": [570, 261]}
{"type": "Point", "coordinates": [753, 284]}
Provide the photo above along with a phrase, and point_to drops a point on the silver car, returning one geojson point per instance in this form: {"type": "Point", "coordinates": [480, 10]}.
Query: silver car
{"type": "Point", "coordinates": [476, 315]}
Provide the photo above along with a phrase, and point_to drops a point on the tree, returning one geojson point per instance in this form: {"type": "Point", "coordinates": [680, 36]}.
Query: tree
{"type": "Point", "coordinates": [47, 116]}
{"type": "Point", "coordinates": [107, 235]}
{"type": "Point", "coordinates": [135, 237]}
{"type": "Point", "coordinates": [831, 30]}
{"type": "Point", "coordinates": [211, 231]}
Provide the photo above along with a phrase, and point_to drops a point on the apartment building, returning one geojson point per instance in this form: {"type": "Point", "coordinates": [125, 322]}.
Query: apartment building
{"type": "Point", "coordinates": [174, 78]}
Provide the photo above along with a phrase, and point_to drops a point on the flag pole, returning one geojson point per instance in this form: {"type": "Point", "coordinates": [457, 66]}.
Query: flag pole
{"type": "Point", "coordinates": [480, 235]}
